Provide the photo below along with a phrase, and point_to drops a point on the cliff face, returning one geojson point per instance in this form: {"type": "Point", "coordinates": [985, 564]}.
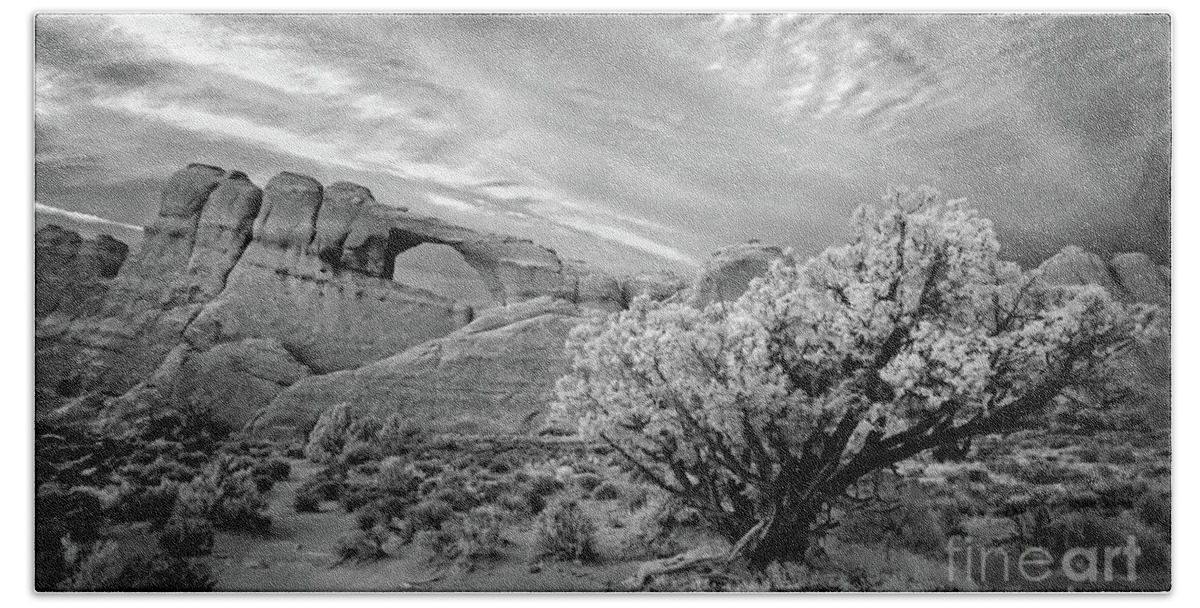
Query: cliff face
{"type": "Point", "coordinates": [295, 279]}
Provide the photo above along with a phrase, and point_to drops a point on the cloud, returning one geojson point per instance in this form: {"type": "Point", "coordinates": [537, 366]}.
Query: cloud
{"type": "Point", "coordinates": [607, 133]}
{"type": "Point", "coordinates": [83, 218]}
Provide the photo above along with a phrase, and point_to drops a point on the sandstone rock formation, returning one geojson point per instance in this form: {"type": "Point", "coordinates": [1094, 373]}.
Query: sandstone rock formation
{"type": "Point", "coordinates": [72, 274]}
{"type": "Point", "coordinates": [294, 279]}
{"type": "Point", "coordinates": [1132, 277]}
{"type": "Point", "coordinates": [729, 271]}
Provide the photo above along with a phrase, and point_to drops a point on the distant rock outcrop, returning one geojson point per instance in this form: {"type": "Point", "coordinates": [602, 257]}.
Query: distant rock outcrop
{"type": "Point", "coordinates": [1132, 277]}
{"type": "Point", "coordinates": [729, 271]}
{"type": "Point", "coordinates": [72, 274]}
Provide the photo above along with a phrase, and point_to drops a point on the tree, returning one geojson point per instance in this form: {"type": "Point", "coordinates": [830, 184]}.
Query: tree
{"type": "Point", "coordinates": [764, 412]}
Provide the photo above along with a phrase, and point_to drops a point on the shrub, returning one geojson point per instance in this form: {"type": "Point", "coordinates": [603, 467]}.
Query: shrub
{"type": "Point", "coordinates": [186, 537]}
{"type": "Point", "coordinates": [359, 453]}
{"type": "Point", "coordinates": [154, 503]}
{"type": "Point", "coordinates": [306, 500]}
{"type": "Point", "coordinates": [360, 546]}
{"type": "Point", "coordinates": [910, 521]}
{"type": "Point", "coordinates": [241, 507]}
{"type": "Point", "coordinates": [398, 435]}
{"type": "Point", "coordinates": [1154, 509]}
{"type": "Point", "coordinates": [478, 534]}
{"type": "Point", "coordinates": [109, 567]}
{"type": "Point", "coordinates": [275, 469]}
{"type": "Point", "coordinates": [588, 481]}
{"type": "Point", "coordinates": [328, 436]}
{"type": "Point", "coordinates": [565, 532]}
{"type": "Point", "coordinates": [538, 491]}
{"type": "Point", "coordinates": [398, 477]}
{"type": "Point", "coordinates": [230, 500]}
{"type": "Point", "coordinates": [429, 514]}
{"type": "Point", "coordinates": [357, 495]}
{"type": "Point", "coordinates": [364, 429]}
{"type": "Point", "coordinates": [607, 491]}
{"type": "Point", "coordinates": [905, 327]}
{"type": "Point", "coordinates": [458, 496]}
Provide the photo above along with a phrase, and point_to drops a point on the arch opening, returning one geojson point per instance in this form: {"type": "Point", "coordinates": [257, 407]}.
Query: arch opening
{"type": "Point", "coordinates": [442, 270]}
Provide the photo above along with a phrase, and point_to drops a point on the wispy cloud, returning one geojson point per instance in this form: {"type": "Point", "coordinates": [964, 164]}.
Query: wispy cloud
{"type": "Point", "coordinates": [636, 141]}
{"type": "Point", "coordinates": [82, 218]}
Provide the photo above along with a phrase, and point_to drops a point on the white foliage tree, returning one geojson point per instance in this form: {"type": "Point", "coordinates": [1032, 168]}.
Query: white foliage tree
{"type": "Point", "coordinates": [762, 413]}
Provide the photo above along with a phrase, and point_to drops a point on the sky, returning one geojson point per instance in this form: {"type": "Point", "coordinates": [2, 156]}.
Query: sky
{"type": "Point", "coordinates": [635, 142]}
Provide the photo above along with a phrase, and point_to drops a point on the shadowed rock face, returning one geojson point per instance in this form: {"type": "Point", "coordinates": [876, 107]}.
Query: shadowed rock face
{"type": "Point", "coordinates": [72, 274]}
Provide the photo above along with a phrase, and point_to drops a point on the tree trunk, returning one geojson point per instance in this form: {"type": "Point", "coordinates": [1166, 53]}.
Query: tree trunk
{"type": "Point", "coordinates": [786, 537]}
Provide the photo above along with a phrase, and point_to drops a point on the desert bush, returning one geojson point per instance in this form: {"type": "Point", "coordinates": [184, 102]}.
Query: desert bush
{"type": "Point", "coordinates": [357, 494]}
{"type": "Point", "coordinates": [588, 481]}
{"type": "Point", "coordinates": [275, 469]}
{"type": "Point", "coordinates": [364, 429]}
{"type": "Point", "coordinates": [230, 499]}
{"type": "Point", "coordinates": [429, 514]}
{"type": "Point", "coordinates": [357, 453]}
{"type": "Point", "coordinates": [62, 515]}
{"type": "Point", "coordinates": [564, 531]}
{"type": "Point", "coordinates": [913, 337]}
{"type": "Point", "coordinates": [478, 535]}
{"type": "Point", "coordinates": [186, 537]}
{"type": "Point", "coordinates": [111, 568]}
{"type": "Point", "coordinates": [360, 546]}
{"type": "Point", "coordinates": [306, 500]}
{"type": "Point", "coordinates": [1154, 508]}
{"type": "Point", "coordinates": [399, 477]}
{"type": "Point", "coordinates": [457, 494]}
{"type": "Point", "coordinates": [909, 521]}
{"type": "Point", "coordinates": [398, 435]}
{"type": "Point", "coordinates": [539, 489]}
{"type": "Point", "coordinates": [154, 503]}
{"type": "Point", "coordinates": [328, 436]}
{"type": "Point", "coordinates": [323, 488]}
{"type": "Point", "coordinates": [391, 505]}
{"type": "Point", "coordinates": [607, 491]}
